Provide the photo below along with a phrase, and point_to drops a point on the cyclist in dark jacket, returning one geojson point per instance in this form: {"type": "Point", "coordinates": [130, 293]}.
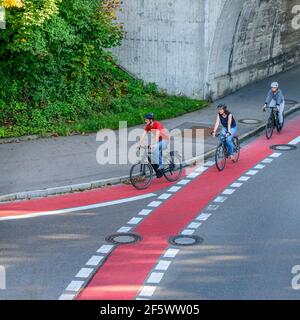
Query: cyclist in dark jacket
{"type": "Point", "coordinates": [228, 122]}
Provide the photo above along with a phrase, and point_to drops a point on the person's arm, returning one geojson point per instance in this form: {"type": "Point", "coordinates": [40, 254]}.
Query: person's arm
{"type": "Point", "coordinates": [217, 123]}
{"type": "Point", "coordinates": [229, 123]}
{"type": "Point", "coordinates": [268, 100]}
{"type": "Point", "coordinates": [142, 137]}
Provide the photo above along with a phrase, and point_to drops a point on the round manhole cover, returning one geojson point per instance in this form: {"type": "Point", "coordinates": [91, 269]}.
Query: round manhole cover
{"type": "Point", "coordinates": [283, 147]}
{"type": "Point", "coordinates": [123, 238]}
{"type": "Point", "coordinates": [185, 240]}
{"type": "Point", "coordinates": [249, 121]}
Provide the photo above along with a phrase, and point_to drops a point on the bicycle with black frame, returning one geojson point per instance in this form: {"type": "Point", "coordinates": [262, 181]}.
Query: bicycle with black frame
{"type": "Point", "coordinates": [222, 153]}
{"type": "Point", "coordinates": [141, 173]}
{"type": "Point", "coordinates": [273, 122]}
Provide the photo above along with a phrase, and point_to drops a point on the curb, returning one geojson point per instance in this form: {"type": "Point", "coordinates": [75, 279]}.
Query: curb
{"type": "Point", "coordinates": [27, 195]}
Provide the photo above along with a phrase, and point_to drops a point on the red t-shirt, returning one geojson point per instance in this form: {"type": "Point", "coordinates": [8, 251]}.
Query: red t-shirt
{"type": "Point", "coordinates": [158, 126]}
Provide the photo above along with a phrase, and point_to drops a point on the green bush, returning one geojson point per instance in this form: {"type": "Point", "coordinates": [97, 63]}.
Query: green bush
{"type": "Point", "coordinates": [57, 74]}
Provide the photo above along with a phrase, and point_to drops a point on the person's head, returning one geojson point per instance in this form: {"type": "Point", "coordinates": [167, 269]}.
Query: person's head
{"type": "Point", "coordinates": [274, 86]}
{"type": "Point", "coordinates": [222, 109]}
{"type": "Point", "coordinates": [149, 118]}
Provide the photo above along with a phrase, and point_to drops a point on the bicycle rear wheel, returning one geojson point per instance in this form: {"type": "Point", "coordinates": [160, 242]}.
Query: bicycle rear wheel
{"type": "Point", "coordinates": [220, 157]}
{"type": "Point", "coordinates": [269, 128]}
{"type": "Point", "coordinates": [141, 175]}
{"type": "Point", "coordinates": [173, 167]}
{"type": "Point", "coordinates": [237, 149]}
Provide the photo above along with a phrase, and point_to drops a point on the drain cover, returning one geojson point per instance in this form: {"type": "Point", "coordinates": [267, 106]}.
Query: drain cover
{"type": "Point", "coordinates": [123, 238]}
{"type": "Point", "coordinates": [283, 147]}
{"type": "Point", "coordinates": [249, 121]}
{"type": "Point", "coordinates": [185, 240]}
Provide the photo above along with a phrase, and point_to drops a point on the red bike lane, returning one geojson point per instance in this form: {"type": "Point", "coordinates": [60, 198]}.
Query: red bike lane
{"type": "Point", "coordinates": [124, 272]}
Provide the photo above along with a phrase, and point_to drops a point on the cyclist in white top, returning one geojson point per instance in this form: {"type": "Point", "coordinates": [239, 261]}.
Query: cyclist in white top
{"type": "Point", "coordinates": [275, 98]}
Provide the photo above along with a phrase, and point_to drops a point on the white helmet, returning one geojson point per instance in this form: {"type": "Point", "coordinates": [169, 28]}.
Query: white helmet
{"type": "Point", "coordinates": [275, 85]}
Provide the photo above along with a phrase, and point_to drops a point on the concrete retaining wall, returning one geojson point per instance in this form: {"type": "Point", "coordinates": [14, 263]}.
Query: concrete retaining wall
{"type": "Point", "coordinates": [208, 48]}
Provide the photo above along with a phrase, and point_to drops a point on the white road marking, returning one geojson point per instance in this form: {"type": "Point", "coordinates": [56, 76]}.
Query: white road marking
{"type": "Point", "coordinates": [187, 232]}
{"type": "Point", "coordinates": [251, 172]}
{"type": "Point", "coordinates": [193, 175]}
{"type": "Point", "coordinates": [165, 196]}
{"type": "Point", "coordinates": [124, 229]}
{"type": "Point", "coordinates": [194, 225]}
{"type": "Point", "coordinates": [145, 212]}
{"type": "Point", "coordinates": [183, 182]}
{"type": "Point", "coordinates": [142, 299]}
{"type": "Point", "coordinates": [106, 248]}
{"type": "Point", "coordinates": [75, 286]}
{"type": "Point", "coordinates": [171, 253]}
{"type": "Point", "coordinates": [95, 260]}
{"type": "Point", "coordinates": [84, 273]}
{"type": "Point", "coordinates": [259, 166]}
{"type": "Point", "coordinates": [154, 204]}
{"type": "Point", "coordinates": [163, 265]}
{"type": "Point", "coordinates": [243, 178]}
{"type": "Point", "coordinates": [82, 208]}
{"type": "Point", "coordinates": [135, 220]}
{"type": "Point", "coordinates": [228, 191]}
{"type": "Point", "coordinates": [213, 207]}
{"type": "Point", "coordinates": [147, 291]}
{"type": "Point", "coordinates": [275, 155]}
{"type": "Point", "coordinates": [220, 199]}
{"type": "Point", "coordinates": [236, 185]}
{"type": "Point", "coordinates": [209, 163]}
{"type": "Point", "coordinates": [295, 141]}
{"type": "Point", "coordinates": [267, 160]}
{"type": "Point", "coordinates": [155, 277]}
{"type": "Point", "coordinates": [67, 297]}
{"type": "Point", "coordinates": [201, 169]}
{"type": "Point", "coordinates": [174, 189]}
{"type": "Point", "coordinates": [203, 216]}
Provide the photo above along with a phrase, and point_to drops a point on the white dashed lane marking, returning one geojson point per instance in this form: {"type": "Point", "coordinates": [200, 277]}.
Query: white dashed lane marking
{"type": "Point", "coordinates": [155, 277]}
{"type": "Point", "coordinates": [75, 286]}
{"type": "Point", "coordinates": [243, 178]}
{"type": "Point", "coordinates": [145, 212]}
{"type": "Point", "coordinates": [194, 225]}
{"type": "Point", "coordinates": [163, 265]}
{"type": "Point", "coordinates": [171, 253]}
{"type": "Point", "coordinates": [105, 248]}
{"type": "Point", "coordinates": [183, 182]}
{"type": "Point", "coordinates": [251, 172]}
{"type": "Point", "coordinates": [165, 196]}
{"type": "Point", "coordinates": [84, 273]}
{"type": "Point", "coordinates": [67, 296]}
{"type": "Point", "coordinates": [94, 260]}
{"type": "Point", "coordinates": [124, 229]}
{"type": "Point", "coordinates": [275, 155]}
{"type": "Point", "coordinates": [147, 291]}
{"type": "Point", "coordinates": [203, 216]}
{"type": "Point", "coordinates": [228, 191]}
{"type": "Point", "coordinates": [259, 166]}
{"type": "Point", "coordinates": [135, 220]}
{"type": "Point", "coordinates": [154, 204]}
{"type": "Point", "coordinates": [174, 189]}
{"type": "Point", "coordinates": [220, 199]}
{"type": "Point", "coordinates": [236, 185]}
{"type": "Point", "coordinates": [267, 160]}
{"type": "Point", "coordinates": [187, 232]}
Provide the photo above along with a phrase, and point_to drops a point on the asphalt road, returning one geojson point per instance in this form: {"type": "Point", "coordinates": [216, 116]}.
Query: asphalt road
{"type": "Point", "coordinates": [251, 241]}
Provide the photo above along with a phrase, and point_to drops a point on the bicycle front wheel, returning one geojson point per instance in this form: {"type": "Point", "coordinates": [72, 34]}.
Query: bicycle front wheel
{"type": "Point", "coordinates": [220, 157]}
{"type": "Point", "coordinates": [141, 175]}
{"type": "Point", "coordinates": [269, 128]}
{"type": "Point", "coordinates": [173, 167]}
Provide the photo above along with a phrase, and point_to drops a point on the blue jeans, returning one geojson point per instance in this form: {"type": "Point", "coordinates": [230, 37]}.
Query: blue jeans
{"type": "Point", "coordinates": [229, 140]}
{"type": "Point", "coordinates": [157, 152]}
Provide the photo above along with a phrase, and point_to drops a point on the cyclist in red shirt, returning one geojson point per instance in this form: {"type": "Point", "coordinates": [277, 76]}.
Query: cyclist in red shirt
{"type": "Point", "coordinates": [162, 139]}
